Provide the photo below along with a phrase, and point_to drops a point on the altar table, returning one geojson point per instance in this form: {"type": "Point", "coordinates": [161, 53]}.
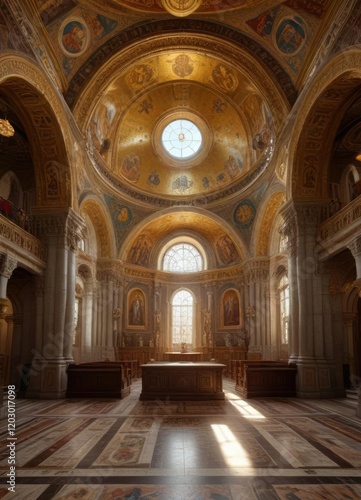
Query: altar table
{"type": "Point", "coordinates": [182, 380]}
{"type": "Point", "coordinates": [182, 356]}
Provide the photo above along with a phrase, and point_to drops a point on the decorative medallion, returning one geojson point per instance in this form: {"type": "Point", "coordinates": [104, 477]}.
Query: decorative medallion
{"type": "Point", "coordinates": [290, 35]}
{"type": "Point", "coordinates": [244, 214]}
{"type": "Point", "coordinates": [181, 8]}
{"type": "Point", "coordinates": [74, 37]}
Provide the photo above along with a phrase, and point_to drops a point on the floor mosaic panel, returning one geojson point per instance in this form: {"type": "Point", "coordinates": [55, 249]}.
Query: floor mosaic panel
{"type": "Point", "coordinates": [218, 450]}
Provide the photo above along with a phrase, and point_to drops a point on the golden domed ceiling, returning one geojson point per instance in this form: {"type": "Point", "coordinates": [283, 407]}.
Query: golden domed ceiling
{"type": "Point", "coordinates": [125, 128]}
{"type": "Point", "coordinates": [179, 8]}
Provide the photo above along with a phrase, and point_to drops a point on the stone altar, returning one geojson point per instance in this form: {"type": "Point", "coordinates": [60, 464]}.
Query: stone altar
{"type": "Point", "coordinates": [182, 380]}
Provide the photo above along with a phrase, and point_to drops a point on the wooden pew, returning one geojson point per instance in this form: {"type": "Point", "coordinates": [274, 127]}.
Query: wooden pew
{"type": "Point", "coordinates": [97, 380]}
{"type": "Point", "coordinates": [266, 378]}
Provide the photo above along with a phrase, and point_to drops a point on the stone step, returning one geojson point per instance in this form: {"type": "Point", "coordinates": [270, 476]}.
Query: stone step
{"type": "Point", "coordinates": [351, 394]}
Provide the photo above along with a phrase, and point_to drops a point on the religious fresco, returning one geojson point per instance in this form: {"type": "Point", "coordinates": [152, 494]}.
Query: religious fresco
{"type": "Point", "coordinates": [127, 144]}
{"type": "Point", "coordinates": [260, 122]}
{"type": "Point", "coordinates": [288, 32]}
{"type": "Point", "coordinates": [244, 214]}
{"type": "Point", "coordinates": [140, 76]}
{"type": "Point", "coordinates": [101, 126]}
{"type": "Point", "coordinates": [282, 23]}
{"type": "Point", "coordinates": [77, 34]}
{"type": "Point", "coordinates": [136, 309]}
{"type": "Point", "coordinates": [182, 65]}
{"type": "Point", "coordinates": [226, 250]}
{"type": "Point", "coordinates": [130, 167]}
{"type": "Point", "coordinates": [230, 310]}
{"type": "Point", "coordinates": [74, 37]}
{"type": "Point", "coordinates": [225, 78]}
{"type": "Point", "coordinates": [290, 35]}
{"type": "Point", "coordinates": [122, 217]}
{"type": "Point", "coordinates": [140, 251]}
{"type": "Point", "coordinates": [317, 9]}
{"type": "Point", "coordinates": [158, 229]}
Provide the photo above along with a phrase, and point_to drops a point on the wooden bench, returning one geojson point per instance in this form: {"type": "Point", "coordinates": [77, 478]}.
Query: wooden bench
{"type": "Point", "coordinates": [266, 378]}
{"type": "Point", "coordinates": [97, 380]}
{"type": "Point", "coordinates": [129, 371]}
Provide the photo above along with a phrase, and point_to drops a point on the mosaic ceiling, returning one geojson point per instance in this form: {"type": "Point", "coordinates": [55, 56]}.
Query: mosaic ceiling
{"type": "Point", "coordinates": [129, 68]}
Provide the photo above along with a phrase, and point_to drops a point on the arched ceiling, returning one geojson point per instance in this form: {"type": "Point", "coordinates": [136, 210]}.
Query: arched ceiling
{"type": "Point", "coordinates": [128, 67]}
{"type": "Point", "coordinates": [158, 229]}
{"type": "Point", "coordinates": [125, 127]}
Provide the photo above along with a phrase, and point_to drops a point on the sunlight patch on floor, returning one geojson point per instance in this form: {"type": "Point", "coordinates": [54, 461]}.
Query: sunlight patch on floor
{"type": "Point", "coordinates": [246, 410]}
{"type": "Point", "coordinates": [234, 453]}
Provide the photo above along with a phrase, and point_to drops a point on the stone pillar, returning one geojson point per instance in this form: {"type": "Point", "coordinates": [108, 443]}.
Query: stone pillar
{"type": "Point", "coordinates": [61, 232]}
{"type": "Point", "coordinates": [34, 381]}
{"type": "Point", "coordinates": [109, 278]}
{"type": "Point", "coordinates": [349, 349]}
{"type": "Point", "coordinates": [355, 247]}
{"type": "Point", "coordinates": [310, 305]}
{"type": "Point", "coordinates": [70, 303]}
{"type": "Point", "coordinates": [4, 304]}
{"type": "Point", "coordinates": [289, 230]}
{"type": "Point", "coordinates": [88, 314]}
{"type": "Point", "coordinates": [7, 266]}
{"type": "Point", "coordinates": [257, 307]}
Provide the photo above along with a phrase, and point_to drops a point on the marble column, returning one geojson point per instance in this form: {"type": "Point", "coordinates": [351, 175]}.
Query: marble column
{"type": "Point", "coordinates": [88, 316]}
{"type": "Point", "coordinates": [355, 247]}
{"type": "Point", "coordinates": [61, 233]}
{"type": "Point", "coordinates": [7, 266]}
{"type": "Point", "coordinates": [316, 363]}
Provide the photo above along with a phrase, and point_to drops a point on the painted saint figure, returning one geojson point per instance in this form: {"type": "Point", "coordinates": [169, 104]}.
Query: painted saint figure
{"type": "Point", "coordinates": [136, 311]}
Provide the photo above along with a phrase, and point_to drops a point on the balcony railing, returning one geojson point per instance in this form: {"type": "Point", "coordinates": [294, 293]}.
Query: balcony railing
{"type": "Point", "coordinates": [10, 232]}
{"type": "Point", "coordinates": [338, 230]}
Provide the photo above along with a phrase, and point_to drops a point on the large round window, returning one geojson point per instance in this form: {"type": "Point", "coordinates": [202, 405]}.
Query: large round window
{"type": "Point", "coordinates": [181, 138]}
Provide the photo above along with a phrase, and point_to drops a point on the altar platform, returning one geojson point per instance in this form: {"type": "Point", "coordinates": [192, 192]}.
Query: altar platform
{"type": "Point", "coordinates": [182, 381]}
{"type": "Point", "coordinates": [182, 356]}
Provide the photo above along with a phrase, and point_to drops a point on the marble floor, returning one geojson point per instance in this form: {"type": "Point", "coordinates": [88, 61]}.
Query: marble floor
{"type": "Point", "coordinates": [184, 450]}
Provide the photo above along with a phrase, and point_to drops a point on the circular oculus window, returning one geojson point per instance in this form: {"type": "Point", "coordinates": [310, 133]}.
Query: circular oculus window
{"type": "Point", "coordinates": [181, 139]}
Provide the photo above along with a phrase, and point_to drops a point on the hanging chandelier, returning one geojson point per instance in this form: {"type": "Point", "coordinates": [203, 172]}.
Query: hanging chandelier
{"type": "Point", "coordinates": [6, 128]}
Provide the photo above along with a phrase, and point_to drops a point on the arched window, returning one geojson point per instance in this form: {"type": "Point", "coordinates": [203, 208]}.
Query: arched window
{"type": "Point", "coordinates": [182, 258]}
{"type": "Point", "coordinates": [284, 292]}
{"type": "Point", "coordinates": [182, 318]}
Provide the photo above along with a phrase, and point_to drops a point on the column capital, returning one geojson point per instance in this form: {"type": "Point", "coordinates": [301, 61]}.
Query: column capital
{"type": "Point", "coordinates": [67, 226]}
{"type": "Point", "coordinates": [7, 265]}
{"type": "Point", "coordinates": [355, 246]}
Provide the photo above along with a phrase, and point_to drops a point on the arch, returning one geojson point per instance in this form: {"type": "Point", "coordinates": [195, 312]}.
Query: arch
{"type": "Point", "coordinates": [349, 177]}
{"type": "Point", "coordinates": [149, 39]}
{"type": "Point", "coordinates": [316, 123]}
{"type": "Point", "coordinates": [92, 209]}
{"type": "Point", "coordinates": [42, 113]}
{"type": "Point", "coordinates": [183, 240]}
{"type": "Point", "coordinates": [197, 223]}
{"type": "Point", "coordinates": [85, 272]}
{"type": "Point", "coordinates": [266, 222]}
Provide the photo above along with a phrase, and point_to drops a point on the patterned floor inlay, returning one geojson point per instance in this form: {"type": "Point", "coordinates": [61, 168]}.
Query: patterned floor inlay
{"type": "Point", "coordinates": [262, 449]}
